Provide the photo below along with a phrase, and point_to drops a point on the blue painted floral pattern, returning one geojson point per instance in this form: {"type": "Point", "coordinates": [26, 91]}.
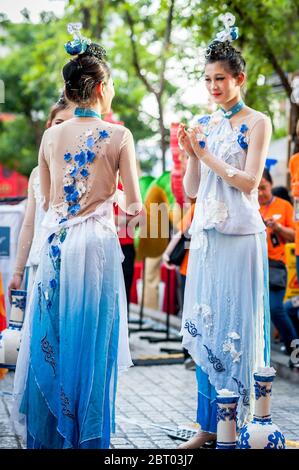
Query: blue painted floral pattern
{"type": "Point", "coordinates": [49, 353]}
{"type": "Point", "coordinates": [77, 172]}
{"type": "Point", "coordinates": [223, 413]}
{"type": "Point", "coordinates": [20, 303]}
{"type": "Point", "coordinates": [261, 390]}
{"type": "Point", "coordinates": [243, 392]}
{"type": "Point", "coordinates": [65, 402]}
{"type": "Point", "coordinates": [214, 360]}
{"type": "Point", "coordinates": [191, 328]}
{"type": "Point", "coordinates": [204, 120]}
{"type": "Point", "coordinates": [241, 137]}
{"type": "Point", "coordinates": [103, 134]}
{"type": "Point", "coordinates": [276, 441]}
{"type": "Point", "coordinates": [243, 442]}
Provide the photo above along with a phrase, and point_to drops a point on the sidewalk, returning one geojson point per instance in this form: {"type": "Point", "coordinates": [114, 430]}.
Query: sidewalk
{"type": "Point", "coordinates": [159, 395]}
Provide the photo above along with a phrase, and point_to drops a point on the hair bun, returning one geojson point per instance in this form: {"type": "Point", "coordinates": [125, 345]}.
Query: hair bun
{"type": "Point", "coordinates": [96, 50]}
{"type": "Point", "coordinates": [219, 50]}
{"type": "Point", "coordinates": [72, 71]}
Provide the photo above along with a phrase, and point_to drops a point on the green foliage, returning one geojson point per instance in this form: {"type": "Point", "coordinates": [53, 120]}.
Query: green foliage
{"type": "Point", "coordinates": [17, 145]}
{"type": "Point", "coordinates": [33, 56]}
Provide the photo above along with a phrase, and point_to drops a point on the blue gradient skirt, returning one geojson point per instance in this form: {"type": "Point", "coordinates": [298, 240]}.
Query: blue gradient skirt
{"type": "Point", "coordinates": [67, 394]}
{"type": "Point", "coordinates": [226, 318]}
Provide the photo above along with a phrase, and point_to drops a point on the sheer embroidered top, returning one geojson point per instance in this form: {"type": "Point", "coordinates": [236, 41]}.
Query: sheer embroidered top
{"type": "Point", "coordinates": [220, 205]}
{"type": "Point", "coordinates": [28, 251]}
{"type": "Point", "coordinates": [79, 163]}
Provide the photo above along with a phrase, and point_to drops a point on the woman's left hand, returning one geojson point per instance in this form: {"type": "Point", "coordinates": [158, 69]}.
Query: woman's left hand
{"type": "Point", "coordinates": [198, 141]}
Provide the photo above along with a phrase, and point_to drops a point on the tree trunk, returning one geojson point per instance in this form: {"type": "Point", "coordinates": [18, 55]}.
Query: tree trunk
{"type": "Point", "coordinates": [99, 28]}
{"type": "Point", "coordinates": [86, 18]}
{"type": "Point", "coordinates": [162, 132]}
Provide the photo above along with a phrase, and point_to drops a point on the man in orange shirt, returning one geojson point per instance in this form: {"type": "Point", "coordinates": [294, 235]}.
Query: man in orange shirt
{"type": "Point", "coordinates": [294, 173]}
{"type": "Point", "coordinates": [278, 217]}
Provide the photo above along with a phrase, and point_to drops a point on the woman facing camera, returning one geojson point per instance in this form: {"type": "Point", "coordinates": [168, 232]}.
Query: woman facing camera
{"type": "Point", "coordinates": [226, 310]}
{"type": "Point", "coordinates": [79, 340]}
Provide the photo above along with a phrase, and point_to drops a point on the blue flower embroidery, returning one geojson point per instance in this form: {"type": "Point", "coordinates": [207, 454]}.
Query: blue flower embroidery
{"type": "Point", "coordinates": [191, 329]}
{"type": "Point", "coordinates": [69, 189]}
{"type": "Point", "coordinates": [65, 402]}
{"type": "Point", "coordinates": [90, 156]}
{"type": "Point", "coordinates": [51, 237]}
{"type": "Point", "coordinates": [74, 172]}
{"type": "Point", "coordinates": [84, 173]}
{"type": "Point", "coordinates": [74, 190]}
{"type": "Point", "coordinates": [49, 353]}
{"type": "Point", "coordinates": [214, 360]}
{"type": "Point", "coordinates": [67, 157]}
{"type": "Point", "coordinates": [103, 134]}
{"type": "Point", "coordinates": [53, 283]}
{"type": "Point", "coordinates": [62, 235]}
{"type": "Point", "coordinates": [204, 120]}
{"type": "Point", "coordinates": [243, 128]}
{"type": "Point", "coordinates": [73, 197]}
{"type": "Point", "coordinates": [242, 141]}
{"type": "Point", "coordinates": [90, 142]}
{"type": "Point", "coordinates": [55, 250]}
{"type": "Point", "coordinates": [241, 138]}
{"type": "Point", "coordinates": [80, 158]}
{"type": "Point", "coordinates": [73, 210]}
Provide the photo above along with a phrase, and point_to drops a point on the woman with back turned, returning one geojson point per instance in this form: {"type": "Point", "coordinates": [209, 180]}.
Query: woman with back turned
{"type": "Point", "coordinates": [79, 339]}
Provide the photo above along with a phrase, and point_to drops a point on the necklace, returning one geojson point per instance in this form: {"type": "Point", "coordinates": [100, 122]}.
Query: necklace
{"type": "Point", "coordinates": [86, 112]}
{"type": "Point", "coordinates": [233, 110]}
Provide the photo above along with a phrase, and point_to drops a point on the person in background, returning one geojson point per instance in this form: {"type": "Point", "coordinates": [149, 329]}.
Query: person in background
{"type": "Point", "coordinates": [28, 251]}
{"type": "Point", "coordinates": [126, 240]}
{"type": "Point", "coordinates": [294, 174]}
{"type": "Point", "coordinates": [277, 215]}
{"type": "Point", "coordinates": [182, 227]}
{"type": "Point", "coordinates": [292, 305]}
{"type": "Point", "coordinates": [282, 192]}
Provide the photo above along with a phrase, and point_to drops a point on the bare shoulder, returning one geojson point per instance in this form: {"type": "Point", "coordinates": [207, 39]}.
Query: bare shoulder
{"type": "Point", "coordinates": [255, 117]}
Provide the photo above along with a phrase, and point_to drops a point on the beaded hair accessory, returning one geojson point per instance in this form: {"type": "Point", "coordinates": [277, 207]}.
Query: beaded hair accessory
{"type": "Point", "coordinates": [80, 45]}
{"type": "Point", "coordinates": [229, 34]}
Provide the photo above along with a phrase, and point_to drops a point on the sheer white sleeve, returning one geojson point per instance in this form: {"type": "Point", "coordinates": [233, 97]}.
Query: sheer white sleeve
{"type": "Point", "coordinates": [248, 179]}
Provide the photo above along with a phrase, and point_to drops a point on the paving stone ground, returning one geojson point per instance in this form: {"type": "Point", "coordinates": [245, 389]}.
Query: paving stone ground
{"type": "Point", "coordinates": [162, 395]}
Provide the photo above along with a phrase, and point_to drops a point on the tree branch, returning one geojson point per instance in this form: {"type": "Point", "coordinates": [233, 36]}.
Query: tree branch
{"type": "Point", "coordinates": [136, 61]}
{"type": "Point", "coordinates": [166, 45]}
{"type": "Point", "coordinates": [265, 46]}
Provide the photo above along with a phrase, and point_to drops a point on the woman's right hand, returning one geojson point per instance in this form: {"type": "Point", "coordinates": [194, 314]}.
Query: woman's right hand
{"type": "Point", "coordinates": [15, 283]}
{"type": "Point", "coordinates": [184, 141]}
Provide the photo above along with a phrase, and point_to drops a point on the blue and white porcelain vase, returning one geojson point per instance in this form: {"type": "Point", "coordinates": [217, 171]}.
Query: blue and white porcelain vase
{"type": "Point", "coordinates": [261, 432]}
{"type": "Point", "coordinates": [227, 402]}
{"type": "Point", "coordinates": [10, 338]}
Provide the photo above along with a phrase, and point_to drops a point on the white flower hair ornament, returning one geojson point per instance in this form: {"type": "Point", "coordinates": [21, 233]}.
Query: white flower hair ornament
{"type": "Point", "coordinates": [80, 45]}
{"type": "Point", "coordinates": [231, 32]}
